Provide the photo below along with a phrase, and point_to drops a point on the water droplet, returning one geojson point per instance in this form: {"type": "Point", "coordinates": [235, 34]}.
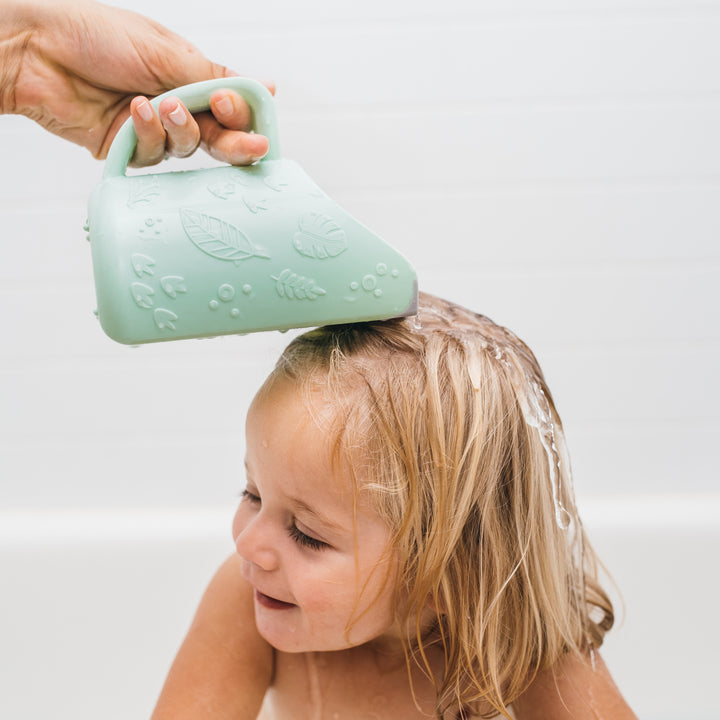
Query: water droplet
{"type": "Point", "coordinates": [417, 325]}
{"type": "Point", "coordinates": [214, 304]}
{"type": "Point", "coordinates": [247, 289]}
{"type": "Point", "coordinates": [395, 273]}
{"type": "Point", "coordinates": [235, 313]}
{"type": "Point", "coordinates": [562, 516]}
{"type": "Point", "coordinates": [378, 293]}
{"type": "Point", "coordinates": [593, 661]}
{"type": "Point", "coordinates": [354, 285]}
{"type": "Point", "coordinates": [381, 268]}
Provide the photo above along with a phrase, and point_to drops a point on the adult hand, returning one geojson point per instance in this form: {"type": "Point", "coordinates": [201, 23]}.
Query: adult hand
{"type": "Point", "coordinates": [76, 67]}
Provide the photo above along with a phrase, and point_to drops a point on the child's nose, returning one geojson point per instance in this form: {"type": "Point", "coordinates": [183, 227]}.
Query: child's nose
{"type": "Point", "coordinates": [254, 543]}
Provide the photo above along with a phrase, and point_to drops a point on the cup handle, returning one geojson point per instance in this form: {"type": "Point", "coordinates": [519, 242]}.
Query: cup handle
{"type": "Point", "coordinates": [196, 97]}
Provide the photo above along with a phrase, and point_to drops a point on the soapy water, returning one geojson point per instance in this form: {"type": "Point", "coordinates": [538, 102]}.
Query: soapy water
{"type": "Point", "coordinates": [536, 411]}
{"type": "Point", "coordinates": [534, 404]}
{"type": "Point", "coordinates": [479, 337]}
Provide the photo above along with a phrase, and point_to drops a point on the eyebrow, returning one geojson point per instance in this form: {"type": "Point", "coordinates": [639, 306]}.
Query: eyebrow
{"type": "Point", "coordinates": [301, 505]}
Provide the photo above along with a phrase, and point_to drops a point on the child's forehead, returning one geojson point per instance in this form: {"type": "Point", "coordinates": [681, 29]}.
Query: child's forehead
{"type": "Point", "coordinates": [295, 446]}
{"type": "Point", "coordinates": [307, 416]}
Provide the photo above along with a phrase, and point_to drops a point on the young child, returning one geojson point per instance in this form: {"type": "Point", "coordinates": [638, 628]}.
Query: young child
{"type": "Point", "coordinates": [407, 543]}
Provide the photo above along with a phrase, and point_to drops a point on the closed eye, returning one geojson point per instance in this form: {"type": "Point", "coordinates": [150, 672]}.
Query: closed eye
{"type": "Point", "coordinates": [250, 497]}
{"type": "Point", "coordinates": [306, 540]}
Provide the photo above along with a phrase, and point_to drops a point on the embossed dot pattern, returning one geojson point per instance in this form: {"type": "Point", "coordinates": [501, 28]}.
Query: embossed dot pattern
{"type": "Point", "coordinates": [226, 292]}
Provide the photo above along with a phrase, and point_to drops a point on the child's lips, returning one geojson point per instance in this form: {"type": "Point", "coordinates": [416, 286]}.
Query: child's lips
{"type": "Point", "coordinates": [271, 603]}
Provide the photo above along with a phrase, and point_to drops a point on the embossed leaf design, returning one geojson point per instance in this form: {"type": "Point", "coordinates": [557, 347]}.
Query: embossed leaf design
{"type": "Point", "coordinates": [143, 190]}
{"type": "Point", "coordinates": [218, 238]}
{"type": "Point", "coordinates": [292, 286]}
{"type": "Point", "coordinates": [319, 236]}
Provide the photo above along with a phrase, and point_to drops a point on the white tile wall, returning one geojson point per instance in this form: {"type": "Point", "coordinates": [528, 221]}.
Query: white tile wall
{"type": "Point", "coordinates": [552, 163]}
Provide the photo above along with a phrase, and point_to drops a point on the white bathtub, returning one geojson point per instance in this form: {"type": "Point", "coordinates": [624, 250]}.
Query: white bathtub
{"type": "Point", "coordinates": [93, 604]}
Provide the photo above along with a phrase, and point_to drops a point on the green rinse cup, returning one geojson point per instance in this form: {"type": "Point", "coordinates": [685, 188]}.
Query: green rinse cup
{"type": "Point", "coordinates": [229, 250]}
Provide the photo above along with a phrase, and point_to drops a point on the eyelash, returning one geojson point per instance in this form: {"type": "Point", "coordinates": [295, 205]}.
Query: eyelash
{"type": "Point", "coordinates": [296, 534]}
{"type": "Point", "coordinates": [305, 540]}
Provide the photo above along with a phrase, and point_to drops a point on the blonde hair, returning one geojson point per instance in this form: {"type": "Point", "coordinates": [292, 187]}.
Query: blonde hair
{"type": "Point", "coordinates": [465, 455]}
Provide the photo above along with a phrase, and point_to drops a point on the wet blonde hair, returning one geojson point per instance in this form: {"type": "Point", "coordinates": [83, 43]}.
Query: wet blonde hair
{"type": "Point", "coordinates": [449, 422]}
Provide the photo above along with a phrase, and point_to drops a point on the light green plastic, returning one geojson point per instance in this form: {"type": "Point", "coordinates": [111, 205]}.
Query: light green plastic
{"type": "Point", "coordinates": [230, 250]}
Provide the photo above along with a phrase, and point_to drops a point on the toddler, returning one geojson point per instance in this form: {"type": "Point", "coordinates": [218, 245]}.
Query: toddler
{"type": "Point", "coordinates": [407, 543]}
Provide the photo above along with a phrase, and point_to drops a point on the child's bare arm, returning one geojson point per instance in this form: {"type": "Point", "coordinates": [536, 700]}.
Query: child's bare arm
{"type": "Point", "coordinates": [223, 667]}
{"type": "Point", "coordinates": [573, 690]}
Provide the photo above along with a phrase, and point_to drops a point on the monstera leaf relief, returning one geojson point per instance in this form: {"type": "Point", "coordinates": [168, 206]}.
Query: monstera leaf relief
{"type": "Point", "coordinates": [292, 286]}
{"type": "Point", "coordinates": [319, 236]}
{"type": "Point", "coordinates": [218, 238]}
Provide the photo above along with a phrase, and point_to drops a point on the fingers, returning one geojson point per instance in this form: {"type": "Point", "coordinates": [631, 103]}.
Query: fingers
{"type": "Point", "coordinates": [151, 135]}
{"type": "Point", "coordinates": [183, 134]}
{"type": "Point", "coordinates": [223, 132]}
{"type": "Point", "coordinates": [230, 146]}
{"type": "Point", "coordinates": [174, 131]}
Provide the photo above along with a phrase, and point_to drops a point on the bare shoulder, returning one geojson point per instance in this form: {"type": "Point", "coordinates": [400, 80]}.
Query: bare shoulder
{"type": "Point", "coordinates": [574, 689]}
{"type": "Point", "coordinates": [223, 667]}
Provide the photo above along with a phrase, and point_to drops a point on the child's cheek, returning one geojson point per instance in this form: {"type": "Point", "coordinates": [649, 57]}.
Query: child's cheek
{"type": "Point", "coordinates": [322, 594]}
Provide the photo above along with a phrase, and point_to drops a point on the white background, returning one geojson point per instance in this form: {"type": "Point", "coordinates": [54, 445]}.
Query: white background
{"type": "Point", "coordinates": [554, 164]}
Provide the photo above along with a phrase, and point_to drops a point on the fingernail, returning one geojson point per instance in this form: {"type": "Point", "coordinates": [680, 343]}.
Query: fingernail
{"type": "Point", "coordinates": [178, 116]}
{"type": "Point", "coordinates": [144, 110]}
{"type": "Point", "coordinates": [224, 106]}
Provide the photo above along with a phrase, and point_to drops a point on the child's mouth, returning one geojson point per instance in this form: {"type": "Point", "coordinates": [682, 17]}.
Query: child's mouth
{"type": "Point", "coordinates": [272, 603]}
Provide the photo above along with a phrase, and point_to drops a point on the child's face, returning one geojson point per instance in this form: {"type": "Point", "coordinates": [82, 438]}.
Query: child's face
{"type": "Point", "coordinates": [315, 551]}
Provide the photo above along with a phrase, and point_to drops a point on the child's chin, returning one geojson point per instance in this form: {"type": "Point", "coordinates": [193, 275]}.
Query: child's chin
{"type": "Point", "coordinates": [286, 641]}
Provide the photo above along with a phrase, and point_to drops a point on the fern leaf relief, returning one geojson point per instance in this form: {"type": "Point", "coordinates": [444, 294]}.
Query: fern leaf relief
{"type": "Point", "coordinates": [292, 286]}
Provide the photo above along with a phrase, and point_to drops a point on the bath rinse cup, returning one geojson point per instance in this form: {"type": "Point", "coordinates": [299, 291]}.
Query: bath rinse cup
{"type": "Point", "coordinates": [228, 249]}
